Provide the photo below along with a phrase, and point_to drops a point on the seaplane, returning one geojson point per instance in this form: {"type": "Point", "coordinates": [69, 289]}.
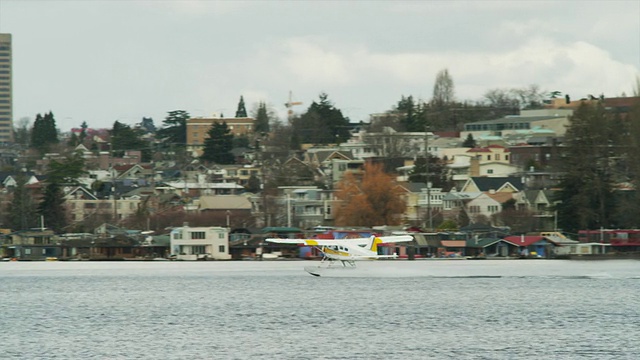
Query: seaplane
{"type": "Point", "coordinates": [343, 253]}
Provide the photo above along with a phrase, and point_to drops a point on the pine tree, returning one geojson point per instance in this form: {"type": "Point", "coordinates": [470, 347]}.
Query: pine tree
{"type": "Point", "coordinates": [44, 132]}
{"type": "Point", "coordinates": [322, 124]}
{"type": "Point", "coordinates": [438, 173]}
{"type": "Point", "coordinates": [406, 107]}
{"type": "Point", "coordinates": [242, 111]}
{"type": "Point", "coordinates": [22, 210]}
{"type": "Point", "coordinates": [218, 145]}
{"type": "Point", "coordinates": [586, 198]}
{"type": "Point", "coordinates": [52, 206]}
{"type": "Point", "coordinates": [174, 129]}
{"type": "Point", "coordinates": [123, 137]}
{"type": "Point", "coordinates": [262, 119]}
{"type": "Point", "coordinates": [83, 132]}
{"type": "Point", "coordinates": [469, 142]}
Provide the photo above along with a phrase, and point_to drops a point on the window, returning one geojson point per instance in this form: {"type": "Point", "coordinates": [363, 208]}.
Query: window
{"type": "Point", "coordinates": [497, 156]}
{"type": "Point", "coordinates": [221, 248]}
{"type": "Point", "coordinates": [27, 251]}
{"type": "Point", "coordinates": [198, 249]}
{"type": "Point", "coordinates": [492, 208]}
{"type": "Point", "coordinates": [220, 235]}
{"type": "Point", "coordinates": [198, 235]}
{"type": "Point", "coordinates": [489, 171]}
{"type": "Point", "coordinates": [177, 236]}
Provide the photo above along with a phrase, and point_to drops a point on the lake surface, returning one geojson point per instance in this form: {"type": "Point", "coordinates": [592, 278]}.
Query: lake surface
{"type": "Point", "coordinates": [423, 309]}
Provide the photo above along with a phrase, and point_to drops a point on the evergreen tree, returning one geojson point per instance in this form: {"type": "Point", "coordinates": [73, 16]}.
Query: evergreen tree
{"type": "Point", "coordinates": [147, 125]}
{"type": "Point", "coordinates": [241, 141]}
{"type": "Point", "coordinates": [218, 145]}
{"type": "Point", "coordinates": [586, 199]}
{"type": "Point", "coordinates": [469, 142]}
{"type": "Point", "coordinates": [262, 119]}
{"type": "Point", "coordinates": [322, 124]}
{"type": "Point", "coordinates": [52, 206]}
{"type": "Point", "coordinates": [73, 140]}
{"type": "Point", "coordinates": [83, 132]}
{"type": "Point", "coordinates": [407, 109]}
{"type": "Point", "coordinates": [174, 130]}
{"type": "Point", "coordinates": [22, 210]}
{"type": "Point", "coordinates": [242, 111]}
{"type": "Point", "coordinates": [438, 173]}
{"type": "Point", "coordinates": [44, 132]}
{"type": "Point", "coordinates": [123, 137]}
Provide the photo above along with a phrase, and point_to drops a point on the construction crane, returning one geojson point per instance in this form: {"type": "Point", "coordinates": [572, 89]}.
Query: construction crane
{"type": "Point", "coordinates": [289, 105]}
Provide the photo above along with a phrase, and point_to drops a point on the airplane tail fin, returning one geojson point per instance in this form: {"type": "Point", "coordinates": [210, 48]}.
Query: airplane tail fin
{"type": "Point", "coordinates": [373, 243]}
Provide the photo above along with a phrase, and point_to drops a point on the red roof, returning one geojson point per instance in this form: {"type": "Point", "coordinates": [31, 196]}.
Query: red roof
{"type": "Point", "coordinates": [453, 243]}
{"type": "Point", "coordinates": [523, 240]}
{"type": "Point", "coordinates": [479, 150]}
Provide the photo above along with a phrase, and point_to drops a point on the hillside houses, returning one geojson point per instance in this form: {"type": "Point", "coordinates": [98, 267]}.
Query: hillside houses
{"type": "Point", "coordinates": [506, 169]}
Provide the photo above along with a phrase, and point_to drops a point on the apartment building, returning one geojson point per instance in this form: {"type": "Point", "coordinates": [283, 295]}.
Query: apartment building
{"type": "Point", "coordinates": [198, 128]}
{"type": "Point", "coordinates": [6, 97]}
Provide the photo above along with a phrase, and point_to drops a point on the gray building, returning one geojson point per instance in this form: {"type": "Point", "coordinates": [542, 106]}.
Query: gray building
{"type": "Point", "coordinates": [6, 100]}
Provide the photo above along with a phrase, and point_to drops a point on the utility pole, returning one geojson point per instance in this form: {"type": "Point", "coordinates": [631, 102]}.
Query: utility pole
{"type": "Point", "coordinates": [113, 184]}
{"type": "Point", "coordinates": [264, 185]}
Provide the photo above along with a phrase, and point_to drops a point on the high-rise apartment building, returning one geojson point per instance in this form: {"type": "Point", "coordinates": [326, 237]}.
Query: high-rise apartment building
{"type": "Point", "coordinates": [6, 96]}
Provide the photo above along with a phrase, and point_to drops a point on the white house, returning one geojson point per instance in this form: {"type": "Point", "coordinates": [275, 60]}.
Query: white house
{"type": "Point", "coordinates": [193, 243]}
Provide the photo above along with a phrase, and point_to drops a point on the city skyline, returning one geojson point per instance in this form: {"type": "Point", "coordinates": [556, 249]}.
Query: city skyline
{"type": "Point", "coordinates": [104, 61]}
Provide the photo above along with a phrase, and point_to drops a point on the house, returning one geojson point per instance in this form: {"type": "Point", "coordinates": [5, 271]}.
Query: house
{"type": "Point", "coordinates": [118, 247]}
{"type": "Point", "coordinates": [489, 161]}
{"type": "Point", "coordinates": [200, 243]}
{"type": "Point", "coordinates": [33, 244]}
{"type": "Point", "coordinates": [486, 204]}
{"type": "Point", "coordinates": [225, 206]}
{"type": "Point", "coordinates": [495, 184]}
{"type": "Point", "coordinates": [82, 203]}
{"type": "Point", "coordinates": [414, 213]}
{"type": "Point", "coordinates": [535, 246]}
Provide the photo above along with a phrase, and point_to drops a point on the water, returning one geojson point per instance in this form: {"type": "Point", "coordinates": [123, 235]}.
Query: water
{"type": "Point", "coordinates": [428, 309]}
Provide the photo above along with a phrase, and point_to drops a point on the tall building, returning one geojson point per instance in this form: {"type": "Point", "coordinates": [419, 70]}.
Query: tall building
{"type": "Point", "coordinates": [6, 99]}
{"type": "Point", "coordinates": [197, 129]}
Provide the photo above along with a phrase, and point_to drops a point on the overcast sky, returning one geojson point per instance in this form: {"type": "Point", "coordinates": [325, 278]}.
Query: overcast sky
{"type": "Point", "coordinates": [101, 61]}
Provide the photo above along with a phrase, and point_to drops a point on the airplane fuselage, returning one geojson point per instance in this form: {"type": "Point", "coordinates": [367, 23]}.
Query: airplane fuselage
{"type": "Point", "coordinates": [339, 252]}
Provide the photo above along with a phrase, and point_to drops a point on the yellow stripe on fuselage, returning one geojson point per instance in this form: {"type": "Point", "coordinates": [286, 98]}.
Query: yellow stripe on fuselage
{"type": "Point", "coordinates": [326, 250]}
{"type": "Point", "coordinates": [311, 242]}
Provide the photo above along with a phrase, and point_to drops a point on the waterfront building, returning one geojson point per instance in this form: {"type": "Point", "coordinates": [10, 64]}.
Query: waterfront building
{"type": "Point", "coordinates": [200, 243]}
{"type": "Point", "coordinates": [6, 89]}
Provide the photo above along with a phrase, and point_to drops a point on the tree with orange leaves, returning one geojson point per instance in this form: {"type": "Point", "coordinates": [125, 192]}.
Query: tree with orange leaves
{"type": "Point", "coordinates": [368, 200]}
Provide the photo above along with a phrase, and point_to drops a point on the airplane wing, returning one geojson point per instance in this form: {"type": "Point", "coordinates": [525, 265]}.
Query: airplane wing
{"type": "Point", "coordinates": [320, 242]}
{"type": "Point", "coordinates": [394, 239]}
{"type": "Point", "coordinates": [329, 242]}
